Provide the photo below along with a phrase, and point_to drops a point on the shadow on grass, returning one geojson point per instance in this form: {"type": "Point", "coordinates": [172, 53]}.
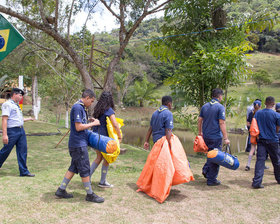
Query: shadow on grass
{"type": "Point", "coordinates": [8, 172]}
{"type": "Point", "coordinates": [174, 196]}
{"type": "Point", "coordinates": [200, 184]}
{"type": "Point", "coordinates": [242, 183]}
{"type": "Point", "coordinates": [49, 197]}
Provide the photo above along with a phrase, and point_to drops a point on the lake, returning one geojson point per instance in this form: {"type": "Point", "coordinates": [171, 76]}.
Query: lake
{"type": "Point", "coordinates": [135, 135]}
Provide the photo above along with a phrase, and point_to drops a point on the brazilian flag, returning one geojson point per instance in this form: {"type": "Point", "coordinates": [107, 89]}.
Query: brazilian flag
{"type": "Point", "coordinates": [10, 38]}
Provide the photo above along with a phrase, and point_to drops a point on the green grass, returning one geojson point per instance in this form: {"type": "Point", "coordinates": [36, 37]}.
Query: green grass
{"type": "Point", "coordinates": [32, 200]}
{"type": "Point", "coordinates": [265, 61]}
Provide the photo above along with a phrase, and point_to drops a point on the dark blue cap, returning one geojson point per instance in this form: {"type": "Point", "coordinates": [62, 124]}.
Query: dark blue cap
{"type": "Point", "coordinates": [17, 91]}
{"type": "Point", "coordinates": [277, 106]}
{"type": "Point", "coordinates": [257, 102]}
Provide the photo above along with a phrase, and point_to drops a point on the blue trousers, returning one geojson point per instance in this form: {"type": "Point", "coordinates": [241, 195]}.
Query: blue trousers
{"type": "Point", "coordinates": [265, 147]}
{"type": "Point", "coordinates": [212, 169]}
{"type": "Point", "coordinates": [16, 137]}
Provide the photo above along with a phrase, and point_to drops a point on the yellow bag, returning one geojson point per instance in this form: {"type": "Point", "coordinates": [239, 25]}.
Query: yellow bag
{"type": "Point", "coordinates": [110, 158]}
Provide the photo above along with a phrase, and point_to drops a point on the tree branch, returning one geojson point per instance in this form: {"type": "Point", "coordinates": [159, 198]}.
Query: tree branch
{"type": "Point", "coordinates": [110, 9]}
{"type": "Point", "coordinates": [69, 20]}
{"type": "Point", "coordinates": [41, 9]}
{"type": "Point", "coordinates": [159, 8]}
{"type": "Point", "coordinates": [56, 14]}
{"type": "Point", "coordinates": [67, 57]}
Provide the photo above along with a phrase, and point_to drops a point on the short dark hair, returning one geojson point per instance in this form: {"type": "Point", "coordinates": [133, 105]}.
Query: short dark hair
{"type": "Point", "coordinates": [217, 92]}
{"type": "Point", "coordinates": [166, 99]}
{"type": "Point", "coordinates": [269, 101]}
{"type": "Point", "coordinates": [88, 92]}
{"type": "Point", "coordinates": [17, 91]}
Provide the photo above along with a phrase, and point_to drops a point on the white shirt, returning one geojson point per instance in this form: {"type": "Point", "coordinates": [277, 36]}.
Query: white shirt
{"type": "Point", "coordinates": [14, 113]}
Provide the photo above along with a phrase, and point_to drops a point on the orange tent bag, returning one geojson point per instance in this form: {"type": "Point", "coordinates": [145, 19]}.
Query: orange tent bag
{"type": "Point", "coordinates": [253, 140]}
{"type": "Point", "coordinates": [199, 145]}
{"type": "Point", "coordinates": [254, 129]}
{"type": "Point", "coordinates": [164, 168]}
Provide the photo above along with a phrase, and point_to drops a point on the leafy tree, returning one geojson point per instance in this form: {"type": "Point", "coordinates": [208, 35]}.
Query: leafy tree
{"type": "Point", "coordinates": [130, 15]}
{"type": "Point", "coordinates": [49, 17]}
{"type": "Point", "coordinates": [140, 92]}
{"type": "Point", "coordinates": [204, 71]}
{"type": "Point", "coordinates": [58, 89]}
{"type": "Point", "coordinates": [261, 77]}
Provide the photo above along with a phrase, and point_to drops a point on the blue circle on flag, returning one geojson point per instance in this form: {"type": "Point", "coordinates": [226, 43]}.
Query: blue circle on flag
{"type": "Point", "coordinates": [2, 42]}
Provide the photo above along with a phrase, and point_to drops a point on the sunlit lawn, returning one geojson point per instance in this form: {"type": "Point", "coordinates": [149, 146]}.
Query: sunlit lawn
{"type": "Point", "coordinates": [32, 200]}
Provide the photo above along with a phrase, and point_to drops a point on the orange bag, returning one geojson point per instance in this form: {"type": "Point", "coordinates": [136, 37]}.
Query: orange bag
{"type": "Point", "coordinates": [164, 168]}
{"type": "Point", "coordinates": [254, 129]}
{"type": "Point", "coordinates": [253, 140]}
{"type": "Point", "coordinates": [199, 145]}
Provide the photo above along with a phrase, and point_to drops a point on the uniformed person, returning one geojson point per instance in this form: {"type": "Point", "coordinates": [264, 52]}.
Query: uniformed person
{"type": "Point", "coordinates": [268, 143]}
{"type": "Point", "coordinates": [212, 126]}
{"type": "Point", "coordinates": [161, 123]}
{"type": "Point", "coordinates": [13, 132]}
{"type": "Point", "coordinates": [78, 143]}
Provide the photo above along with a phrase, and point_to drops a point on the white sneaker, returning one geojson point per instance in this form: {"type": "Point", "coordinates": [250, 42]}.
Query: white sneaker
{"type": "Point", "coordinates": [105, 185]}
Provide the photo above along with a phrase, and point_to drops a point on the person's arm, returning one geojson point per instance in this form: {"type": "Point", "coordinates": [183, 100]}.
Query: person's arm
{"type": "Point", "coordinates": [28, 119]}
{"type": "Point", "coordinates": [168, 133]}
{"type": "Point", "coordinates": [80, 127]}
{"type": "Point", "coordinates": [116, 126]}
{"type": "Point", "coordinates": [277, 129]}
{"type": "Point", "coordinates": [224, 130]}
{"type": "Point", "coordinates": [5, 138]}
{"type": "Point", "coordinates": [199, 125]}
{"type": "Point", "coordinates": [148, 135]}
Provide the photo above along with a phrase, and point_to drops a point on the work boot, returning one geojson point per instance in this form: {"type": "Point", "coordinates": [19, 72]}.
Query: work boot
{"type": "Point", "coordinates": [62, 193]}
{"type": "Point", "coordinates": [216, 183]}
{"type": "Point", "coordinates": [94, 198]}
{"type": "Point", "coordinates": [257, 186]}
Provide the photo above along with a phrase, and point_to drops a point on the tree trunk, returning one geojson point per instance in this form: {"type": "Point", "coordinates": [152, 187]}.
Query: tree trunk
{"type": "Point", "coordinates": [109, 80]}
{"type": "Point", "coordinates": [34, 90]}
{"type": "Point", "coordinates": [67, 116]}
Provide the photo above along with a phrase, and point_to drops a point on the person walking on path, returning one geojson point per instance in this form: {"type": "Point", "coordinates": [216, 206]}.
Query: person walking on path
{"type": "Point", "coordinates": [13, 132]}
{"type": "Point", "coordinates": [161, 123]}
{"type": "Point", "coordinates": [78, 143]}
{"type": "Point", "coordinates": [103, 109]}
{"type": "Point", "coordinates": [257, 105]}
{"type": "Point", "coordinates": [268, 143]}
{"type": "Point", "coordinates": [212, 127]}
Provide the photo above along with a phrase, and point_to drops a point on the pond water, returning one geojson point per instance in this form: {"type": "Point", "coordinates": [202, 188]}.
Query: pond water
{"type": "Point", "coordinates": [135, 135]}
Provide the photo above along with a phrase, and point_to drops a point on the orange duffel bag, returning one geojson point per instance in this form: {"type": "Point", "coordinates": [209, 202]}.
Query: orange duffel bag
{"type": "Point", "coordinates": [199, 145]}
{"type": "Point", "coordinates": [254, 129]}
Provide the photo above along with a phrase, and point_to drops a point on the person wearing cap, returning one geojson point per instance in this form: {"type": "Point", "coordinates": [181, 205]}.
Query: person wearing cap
{"type": "Point", "coordinates": [13, 132]}
{"type": "Point", "coordinates": [268, 143]}
{"type": "Point", "coordinates": [212, 127]}
{"type": "Point", "coordinates": [257, 105]}
{"type": "Point", "coordinates": [250, 109]}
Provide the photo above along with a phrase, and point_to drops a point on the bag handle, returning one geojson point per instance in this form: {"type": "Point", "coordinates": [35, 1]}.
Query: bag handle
{"type": "Point", "coordinates": [227, 148]}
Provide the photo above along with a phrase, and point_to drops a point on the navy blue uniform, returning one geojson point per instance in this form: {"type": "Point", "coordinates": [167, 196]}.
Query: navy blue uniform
{"type": "Point", "coordinates": [267, 120]}
{"type": "Point", "coordinates": [78, 141]}
{"type": "Point", "coordinates": [161, 119]}
{"type": "Point", "coordinates": [102, 128]}
{"type": "Point", "coordinates": [211, 113]}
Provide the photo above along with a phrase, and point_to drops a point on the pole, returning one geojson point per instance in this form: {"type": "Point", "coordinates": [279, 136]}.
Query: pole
{"type": "Point", "coordinates": [62, 138]}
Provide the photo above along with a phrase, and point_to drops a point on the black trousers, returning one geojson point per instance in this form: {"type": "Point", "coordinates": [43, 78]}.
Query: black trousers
{"type": "Point", "coordinates": [266, 147]}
